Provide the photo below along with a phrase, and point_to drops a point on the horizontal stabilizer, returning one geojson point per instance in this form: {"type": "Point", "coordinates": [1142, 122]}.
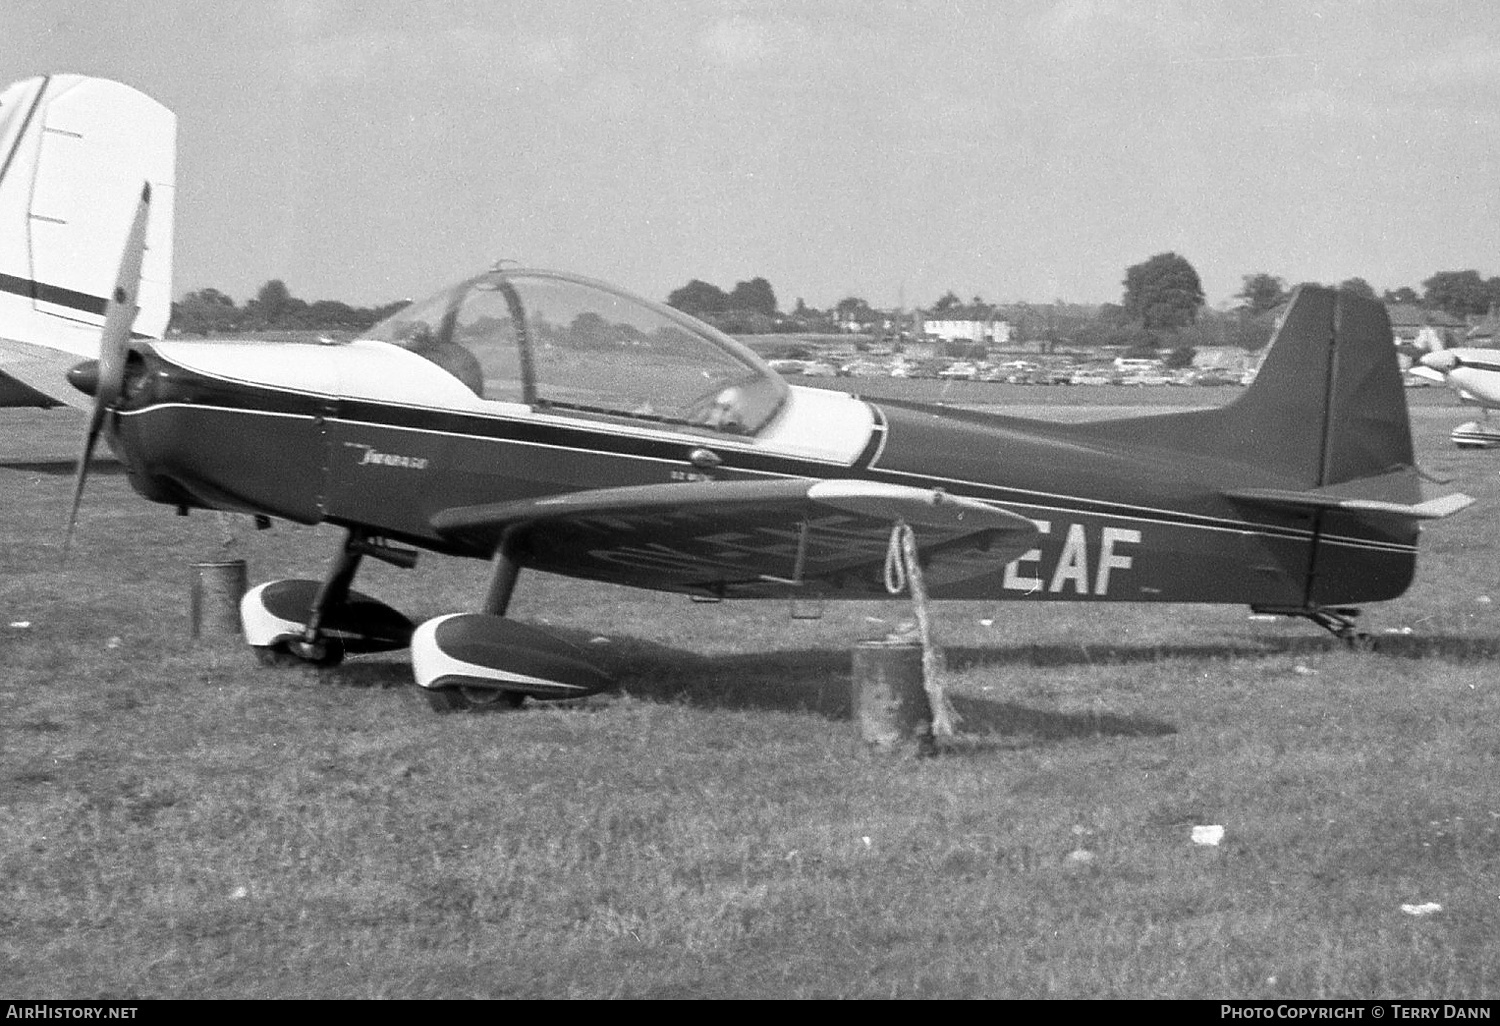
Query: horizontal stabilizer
{"type": "Point", "coordinates": [1327, 499]}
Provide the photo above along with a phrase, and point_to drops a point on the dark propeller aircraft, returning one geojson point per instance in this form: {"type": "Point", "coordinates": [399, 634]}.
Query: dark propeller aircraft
{"type": "Point", "coordinates": [544, 421]}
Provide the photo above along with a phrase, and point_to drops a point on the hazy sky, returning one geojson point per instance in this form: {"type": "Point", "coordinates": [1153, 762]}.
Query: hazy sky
{"type": "Point", "coordinates": [366, 151]}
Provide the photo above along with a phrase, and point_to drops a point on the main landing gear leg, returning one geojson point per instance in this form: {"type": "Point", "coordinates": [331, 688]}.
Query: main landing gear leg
{"type": "Point", "coordinates": [507, 570]}
{"type": "Point", "coordinates": [313, 647]}
{"type": "Point", "coordinates": [316, 623]}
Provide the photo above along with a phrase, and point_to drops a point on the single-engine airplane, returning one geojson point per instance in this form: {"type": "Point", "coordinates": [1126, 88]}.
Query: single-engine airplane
{"type": "Point", "coordinates": [545, 421]}
{"type": "Point", "coordinates": [1475, 375]}
{"type": "Point", "coordinates": [73, 153]}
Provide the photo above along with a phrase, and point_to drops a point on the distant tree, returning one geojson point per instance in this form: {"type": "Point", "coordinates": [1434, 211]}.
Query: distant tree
{"type": "Point", "coordinates": [271, 304]}
{"type": "Point", "coordinates": [205, 312]}
{"type": "Point", "coordinates": [1261, 292]}
{"type": "Point", "coordinates": [853, 308]}
{"type": "Point", "coordinates": [742, 322]}
{"type": "Point", "coordinates": [1113, 313]}
{"type": "Point", "coordinates": [698, 298]}
{"type": "Point", "coordinates": [1404, 294]}
{"type": "Point", "coordinates": [755, 295]}
{"type": "Point", "coordinates": [209, 312]}
{"type": "Point", "coordinates": [211, 297]}
{"type": "Point", "coordinates": [948, 301]}
{"type": "Point", "coordinates": [1163, 292]}
{"type": "Point", "coordinates": [1250, 333]}
{"type": "Point", "coordinates": [332, 315]}
{"type": "Point", "coordinates": [1459, 293]}
{"type": "Point", "coordinates": [1358, 286]}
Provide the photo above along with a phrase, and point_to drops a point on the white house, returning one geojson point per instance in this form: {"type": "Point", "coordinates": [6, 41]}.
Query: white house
{"type": "Point", "coordinates": [969, 325]}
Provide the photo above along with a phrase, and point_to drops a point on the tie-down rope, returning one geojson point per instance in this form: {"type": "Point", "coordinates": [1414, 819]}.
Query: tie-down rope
{"type": "Point", "coordinates": [902, 568]}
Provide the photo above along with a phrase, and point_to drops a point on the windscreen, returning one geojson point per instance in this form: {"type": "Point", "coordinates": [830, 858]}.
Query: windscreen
{"type": "Point", "coordinates": [570, 345]}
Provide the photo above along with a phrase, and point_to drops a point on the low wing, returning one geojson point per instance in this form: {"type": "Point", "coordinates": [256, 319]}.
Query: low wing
{"type": "Point", "coordinates": [742, 538]}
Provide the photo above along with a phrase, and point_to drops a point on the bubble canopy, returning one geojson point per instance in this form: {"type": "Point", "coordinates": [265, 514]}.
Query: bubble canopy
{"type": "Point", "coordinates": [562, 343]}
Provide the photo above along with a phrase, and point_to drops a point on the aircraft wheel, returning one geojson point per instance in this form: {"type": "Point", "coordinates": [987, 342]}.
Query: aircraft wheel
{"type": "Point", "coordinates": [321, 656]}
{"type": "Point", "coordinates": [466, 699]}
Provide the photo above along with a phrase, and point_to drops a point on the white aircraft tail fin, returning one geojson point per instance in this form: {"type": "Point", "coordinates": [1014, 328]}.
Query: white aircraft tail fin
{"type": "Point", "coordinates": [73, 154]}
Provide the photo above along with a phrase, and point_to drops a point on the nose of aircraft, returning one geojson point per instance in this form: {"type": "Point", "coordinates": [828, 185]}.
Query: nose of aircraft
{"type": "Point", "coordinates": [1440, 361]}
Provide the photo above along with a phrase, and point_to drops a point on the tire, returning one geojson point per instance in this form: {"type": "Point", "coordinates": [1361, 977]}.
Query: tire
{"type": "Point", "coordinates": [282, 656]}
{"type": "Point", "coordinates": [462, 699]}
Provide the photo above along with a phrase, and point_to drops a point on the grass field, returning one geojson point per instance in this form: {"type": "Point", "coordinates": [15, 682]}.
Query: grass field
{"type": "Point", "coordinates": [178, 822]}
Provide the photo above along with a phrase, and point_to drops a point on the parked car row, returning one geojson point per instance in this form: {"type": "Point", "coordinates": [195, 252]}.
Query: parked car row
{"type": "Point", "coordinates": [1015, 372]}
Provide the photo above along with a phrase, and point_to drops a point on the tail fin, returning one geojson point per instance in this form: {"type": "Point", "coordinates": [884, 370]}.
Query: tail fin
{"type": "Point", "coordinates": [1320, 438]}
{"type": "Point", "coordinates": [1326, 409]}
{"type": "Point", "coordinates": [1328, 404]}
{"type": "Point", "coordinates": [73, 154]}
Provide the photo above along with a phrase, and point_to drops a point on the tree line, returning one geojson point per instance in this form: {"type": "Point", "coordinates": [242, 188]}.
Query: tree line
{"type": "Point", "coordinates": [274, 308]}
{"type": "Point", "coordinates": [1162, 307]}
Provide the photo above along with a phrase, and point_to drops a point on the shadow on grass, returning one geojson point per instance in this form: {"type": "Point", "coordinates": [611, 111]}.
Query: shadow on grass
{"type": "Point", "coordinates": [1453, 648]}
{"type": "Point", "coordinates": [979, 716]}
{"type": "Point", "coordinates": [1447, 647]}
{"type": "Point", "coordinates": [818, 681]}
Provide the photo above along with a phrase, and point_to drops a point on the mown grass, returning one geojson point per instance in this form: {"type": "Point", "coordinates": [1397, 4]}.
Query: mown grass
{"type": "Point", "coordinates": [177, 822]}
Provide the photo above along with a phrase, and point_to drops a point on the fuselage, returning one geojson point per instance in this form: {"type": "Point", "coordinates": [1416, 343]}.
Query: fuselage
{"type": "Point", "coordinates": [371, 436]}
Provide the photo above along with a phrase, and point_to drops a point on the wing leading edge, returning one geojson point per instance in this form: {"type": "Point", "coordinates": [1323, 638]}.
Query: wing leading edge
{"type": "Point", "coordinates": [740, 538]}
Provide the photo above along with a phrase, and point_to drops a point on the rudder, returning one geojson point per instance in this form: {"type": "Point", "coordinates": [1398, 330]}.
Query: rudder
{"type": "Point", "coordinates": [1326, 409]}
{"type": "Point", "coordinates": [1327, 406]}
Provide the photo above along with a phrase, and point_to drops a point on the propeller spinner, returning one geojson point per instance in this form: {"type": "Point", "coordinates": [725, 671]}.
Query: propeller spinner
{"type": "Point", "coordinates": [114, 347]}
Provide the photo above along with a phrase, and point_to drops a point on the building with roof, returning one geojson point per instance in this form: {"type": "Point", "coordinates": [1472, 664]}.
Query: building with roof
{"type": "Point", "coordinates": [1426, 329]}
{"type": "Point", "coordinates": [969, 324]}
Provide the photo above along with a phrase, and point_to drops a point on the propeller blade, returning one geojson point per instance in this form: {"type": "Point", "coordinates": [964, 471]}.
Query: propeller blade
{"type": "Point", "coordinates": [91, 435]}
{"type": "Point", "coordinates": [114, 348]}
